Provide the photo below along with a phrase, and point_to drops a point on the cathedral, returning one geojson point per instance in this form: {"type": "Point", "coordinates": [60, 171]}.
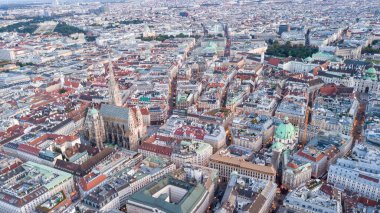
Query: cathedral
{"type": "Point", "coordinates": [123, 126]}
{"type": "Point", "coordinates": [113, 123]}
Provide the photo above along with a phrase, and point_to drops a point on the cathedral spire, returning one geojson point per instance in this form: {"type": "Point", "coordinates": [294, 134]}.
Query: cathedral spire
{"type": "Point", "coordinates": [61, 79]}
{"type": "Point", "coordinates": [113, 86]}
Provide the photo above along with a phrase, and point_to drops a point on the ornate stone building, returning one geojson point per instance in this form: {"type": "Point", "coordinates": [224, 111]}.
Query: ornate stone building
{"type": "Point", "coordinates": [123, 126]}
{"type": "Point", "coordinates": [94, 128]}
{"type": "Point", "coordinates": [285, 137]}
{"type": "Point", "coordinates": [115, 124]}
{"type": "Point", "coordinates": [113, 87]}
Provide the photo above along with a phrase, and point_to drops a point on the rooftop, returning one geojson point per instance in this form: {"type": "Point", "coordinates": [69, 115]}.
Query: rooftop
{"type": "Point", "coordinates": [241, 157]}
{"type": "Point", "coordinates": [35, 179]}
{"type": "Point", "coordinates": [313, 193]}
{"type": "Point", "coordinates": [250, 194]}
{"type": "Point", "coordinates": [152, 195]}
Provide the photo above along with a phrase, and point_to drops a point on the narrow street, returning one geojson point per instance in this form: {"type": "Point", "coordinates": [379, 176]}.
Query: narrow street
{"type": "Point", "coordinates": [359, 119]}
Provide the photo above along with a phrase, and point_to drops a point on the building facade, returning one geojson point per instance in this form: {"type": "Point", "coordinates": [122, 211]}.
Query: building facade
{"type": "Point", "coordinates": [94, 128]}
{"type": "Point", "coordinates": [295, 173]}
{"type": "Point", "coordinates": [123, 126]}
{"type": "Point", "coordinates": [248, 195]}
{"type": "Point", "coordinates": [195, 153]}
{"type": "Point", "coordinates": [42, 181]}
{"type": "Point", "coordinates": [226, 163]}
{"type": "Point", "coordinates": [313, 197]}
{"type": "Point", "coordinates": [359, 173]}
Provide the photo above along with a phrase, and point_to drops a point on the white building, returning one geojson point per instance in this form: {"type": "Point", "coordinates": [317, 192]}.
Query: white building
{"type": "Point", "coordinates": [335, 113]}
{"type": "Point", "coordinates": [42, 183]}
{"type": "Point", "coordinates": [103, 198]}
{"type": "Point", "coordinates": [7, 55]}
{"type": "Point", "coordinates": [130, 180]}
{"type": "Point", "coordinates": [235, 158]}
{"type": "Point", "coordinates": [246, 194]}
{"type": "Point", "coordinates": [195, 153]}
{"type": "Point", "coordinates": [360, 173]}
{"type": "Point", "coordinates": [299, 66]}
{"type": "Point", "coordinates": [317, 159]}
{"type": "Point", "coordinates": [252, 130]}
{"type": "Point", "coordinates": [313, 197]}
{"type": "Point", "coordinates": [295, 173]}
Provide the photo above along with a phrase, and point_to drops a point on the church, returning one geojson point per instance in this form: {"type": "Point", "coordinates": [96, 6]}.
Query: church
{"type": "Point", "coordinates": [113, 123]}
{"type": "Point", "coordinates": [285, 137]}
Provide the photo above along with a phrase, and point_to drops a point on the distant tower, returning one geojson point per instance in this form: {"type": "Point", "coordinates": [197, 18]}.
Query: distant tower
{"type": "Point", "coordinates": [113, 87]}
{"type": "Point", "coordinates": [55, 3]}
{"type": "Point", "coordinates": [148, 32]}
{"type": "Point", "coordinates": [307, 37]}
{"type": "Point", "coordinates": [61, 80]}
{"type": "Point", "coordinates": [262, 58]}
{"type": "Point", "coordinates": [94, 128]}
{"type": "Point", "coordinates": [283, 28]}
{"type": "Point", "coordinates": [142, 129]}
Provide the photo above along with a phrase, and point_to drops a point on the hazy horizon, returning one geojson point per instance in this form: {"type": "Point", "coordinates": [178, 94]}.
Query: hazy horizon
{"type": "Point", "coordinates": [11, 2]}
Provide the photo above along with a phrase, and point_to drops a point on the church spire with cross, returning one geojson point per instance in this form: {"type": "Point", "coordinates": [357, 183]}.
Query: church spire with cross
{"type": "Point", "coordinates": [113, 86]}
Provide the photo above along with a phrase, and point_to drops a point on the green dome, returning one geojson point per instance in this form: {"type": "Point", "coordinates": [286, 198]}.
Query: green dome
{"type": "Point", "coordinates": [211, 48]}
{"type": "Point", "coordinates": [371, 71]}
{"type": "Point", "coordinates": [93, 111]}
{"type": "Point", "coordinates": [278, 146]}
{"type": "Point", "coordinates": [371, 74]}
{"type": "Point", "coordinates": [285, 130]}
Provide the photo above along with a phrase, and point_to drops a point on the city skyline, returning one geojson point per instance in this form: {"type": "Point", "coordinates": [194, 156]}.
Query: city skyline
{"type": "Point", "coordinates": [200, 106]}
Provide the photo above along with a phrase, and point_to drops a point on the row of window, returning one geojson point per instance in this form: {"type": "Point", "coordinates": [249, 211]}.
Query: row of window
{"type": "Point", "coordinates": [226, 171]}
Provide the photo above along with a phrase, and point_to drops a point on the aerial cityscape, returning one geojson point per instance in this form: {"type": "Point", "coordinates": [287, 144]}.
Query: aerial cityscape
{"type": "Point", "coordinates": [190, 106]}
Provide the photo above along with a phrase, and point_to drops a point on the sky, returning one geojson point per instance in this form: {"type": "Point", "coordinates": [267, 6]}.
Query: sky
{"type": "Point", "coordinates": [29, 1]}
{"type": "Point", "coordinates": [22, 1]}
{"type": "Point", "coordinates": [2, 2]}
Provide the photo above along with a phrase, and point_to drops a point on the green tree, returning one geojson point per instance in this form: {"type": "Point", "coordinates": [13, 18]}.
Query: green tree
{"type": "Point", "coordinates": [66, 30]}
{"type": "Point", "coordinates": [287, 49]}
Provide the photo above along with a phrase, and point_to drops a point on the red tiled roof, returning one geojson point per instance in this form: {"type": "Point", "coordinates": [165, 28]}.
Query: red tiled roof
{"type": "Point", "coordinates": [292, 165]}
{"type": "Point", "coordinates": [328, 89]}
{"type": "Point", "coordinates": [163, 150]}
{"type": "Point", "coordinates": [369, 178]}
{"type": "Point", "coordinates": [38, 78]}
{"type": "Point", "coordinates": [164, 138]}
{"type": "Point", "coordinates": [224, 68]}
{"type": "Point", "coordinates": [216, 85]}
{"type": "Point", "coordinates": [89, 182]}
{"type": "Point", "coordinates": [151, 139]}
{"type": "Point", "coordinates": [43, 138]}
{"type": "Point", "coordinates": [274, 61]}
{"type": "Point", "coordinates": [368, 202]}
{"type": "Point", "coordinates": [197, 132]}
{"type": "Point", "coordinates": [62, 139]}
{"type": "Point", "coordinates": [71, 84]}
{"type": "Point", "coordinates": [11, 167]}
{"type": "Point", "coordinates": [314, 159]}
{"type": "Point", "coordinates": [245, 76]}
{"type": "Point", "coordinates": [327, 189]}
{"type": "Point", "coordinates": [29, 149]}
